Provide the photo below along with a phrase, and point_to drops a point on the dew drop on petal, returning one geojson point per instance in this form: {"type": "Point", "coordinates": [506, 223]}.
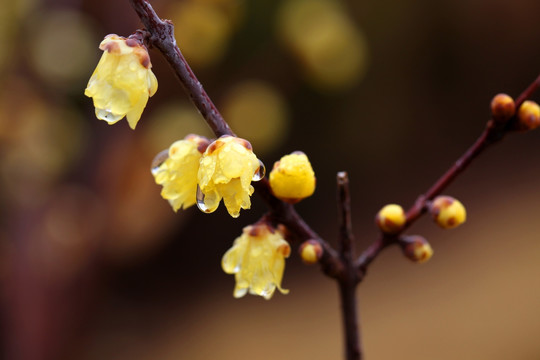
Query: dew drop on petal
{"type": "Point", "coordinates": [108, 116]}
{"type": "Point", "coordinates": [158, 160]}
{"type": "Point", "coordinates": [200, 202]}
{"type": "Point", "coordinates": [260, 173]}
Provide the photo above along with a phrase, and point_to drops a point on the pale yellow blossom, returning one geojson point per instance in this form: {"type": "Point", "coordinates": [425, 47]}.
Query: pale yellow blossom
{"type": "Point", "coordinates": [178, 172]}
{"type": "Point", "coordinates": [257, 260]}
{"type": "Point", "coordinates": [122, 81]}
{"type": "Point", "coordinates": [226, 170]}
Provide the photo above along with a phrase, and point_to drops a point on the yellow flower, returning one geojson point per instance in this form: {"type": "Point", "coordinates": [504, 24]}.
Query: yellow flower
{"type": "Point", "coordinates": [292, 178]}
{"type": "Point", "coordinates": [122, 81]}
{"type": "Point", "coordinates": [226, 170]}
{"type": "Point", "coordinates": [178, 173]}
{"type": "Point", "coordinates": [257, 259]}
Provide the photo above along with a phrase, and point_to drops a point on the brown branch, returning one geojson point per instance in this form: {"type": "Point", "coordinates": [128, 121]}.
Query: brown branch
{"type": "Point", "coordinates": [493, 132]}
{"type": "Point", "coordinates": [349, 279]}
{"type": "Point", "coordinates": [162, 37]}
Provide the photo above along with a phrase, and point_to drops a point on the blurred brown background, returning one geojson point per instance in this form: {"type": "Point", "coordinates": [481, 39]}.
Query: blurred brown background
{"type": "Point", "coordinates": [95, 265]}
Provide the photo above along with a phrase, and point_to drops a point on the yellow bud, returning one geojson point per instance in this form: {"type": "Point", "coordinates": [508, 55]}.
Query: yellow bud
{"type": "Point", "coordinates": [528, 116]}
{"type": "Point", "coordinates": [310, 252]}
{"type": "Point", "coordinates": [391, 219]}
{"type": "Point", "coordinates": [448, 212]}
{"type": "Point", "coordinates": [416, 248]}
{"type": "Point", "coordinates": [292, 178]}
{"type": "Point", "coordinates": [502, 107]}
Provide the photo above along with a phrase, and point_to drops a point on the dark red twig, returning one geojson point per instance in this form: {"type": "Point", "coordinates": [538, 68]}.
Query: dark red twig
{"type": "Point", "coordinates": [162, 37]}
{"type": "Point", "coordinates": [349, 279]}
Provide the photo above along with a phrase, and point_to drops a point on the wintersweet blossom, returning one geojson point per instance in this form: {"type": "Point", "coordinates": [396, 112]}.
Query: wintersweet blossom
{"type": "Point", "coordinates": [122, 81]}
{"type": "Point", "coordinates": [178, 172]}
{"type": "Point", "coordinates": [226, 170]}
{"type": "Point", "coordinates": [257, 260]}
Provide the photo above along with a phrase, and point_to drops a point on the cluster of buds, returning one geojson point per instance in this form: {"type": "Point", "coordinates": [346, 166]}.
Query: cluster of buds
{"type": "Point", "coordinates": [195, 170]}
{"type": "Point", "coordinates": [445, 211]}
{"type": "Point", "coordinates": [503, 109]}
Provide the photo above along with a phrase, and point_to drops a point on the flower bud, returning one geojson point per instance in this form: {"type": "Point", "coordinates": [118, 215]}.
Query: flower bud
{"type": "Point", "coordinates": [292, 178]}
{"type": "Point", "coordinates": [502, 108]}
{"type": "Point", "coordinates": [416, 248]}
{"type": "Point", "coordinates": [391, 219]}
{"type": "Point", "coordinates": [310, 252]}
{"type": "Point", "coordinates": [528, 116]}
{"type": "Point", "coordinates": [448, 212]}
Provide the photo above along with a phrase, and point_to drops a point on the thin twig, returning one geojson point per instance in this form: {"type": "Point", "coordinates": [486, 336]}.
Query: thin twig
{"type": "Point", "coordinates": [349, 280]}
{"type": "Point", "coordinates": [162, 37]}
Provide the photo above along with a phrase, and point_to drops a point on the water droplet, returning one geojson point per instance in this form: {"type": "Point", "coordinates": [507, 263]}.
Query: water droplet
{"type": "Point", "coordinates": [108, 116]}
{"type": "Point", "coordinates": [260, 173]}
{"type": "Point", "coordinates": [200, 202]}
{"type": "Point", "coordinates": [158, 160]}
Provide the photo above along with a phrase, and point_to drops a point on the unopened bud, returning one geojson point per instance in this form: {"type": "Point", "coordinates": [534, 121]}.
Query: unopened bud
{"type": "Point", "coordinates": [391, 219]}
{"type": "Point", "coordinates": [310, 252]}
{"type": "Point", "coordinates": [502, 108]}
{"type": "Point", "coordinates": [448, 212]}
{"type": "Point", "coordinates": [292, 178]}
{"type": "Point", "coordinates": [416, 248]}
{"type": "Point", "coordinates": [528, 116]}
